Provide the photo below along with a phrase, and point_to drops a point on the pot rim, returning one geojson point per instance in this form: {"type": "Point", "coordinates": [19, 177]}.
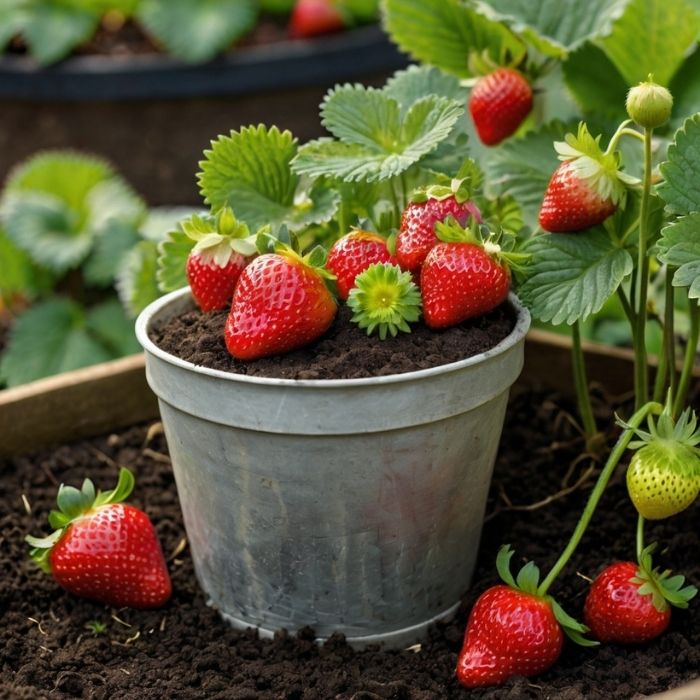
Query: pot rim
{"type": "Point", "coordinates": [143, 322]}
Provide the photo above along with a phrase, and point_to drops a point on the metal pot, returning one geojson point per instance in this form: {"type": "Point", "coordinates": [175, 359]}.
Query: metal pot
{"type": "Point", "coordinates": [351, 506]}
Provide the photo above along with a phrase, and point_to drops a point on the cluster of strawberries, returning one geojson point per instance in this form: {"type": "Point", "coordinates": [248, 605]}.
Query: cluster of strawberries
{"type": "Point", "coordinates": [279, 301]}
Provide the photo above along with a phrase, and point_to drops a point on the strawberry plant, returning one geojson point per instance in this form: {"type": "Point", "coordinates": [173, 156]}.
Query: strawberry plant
{"type": "Point", "coordinates": [71, 230]}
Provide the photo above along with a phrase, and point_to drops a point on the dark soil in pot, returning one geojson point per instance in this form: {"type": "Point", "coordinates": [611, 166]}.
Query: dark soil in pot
{"type": "Point", "coordinates": [185, 651]}
{"type": "Point", "coordinates": [344, 352]}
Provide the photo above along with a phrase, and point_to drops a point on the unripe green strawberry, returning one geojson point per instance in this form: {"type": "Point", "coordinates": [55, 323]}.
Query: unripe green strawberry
{"type": "Point", "coordinates": [649, 104]}
{"type": "Point", "coordinates": [663, 477]}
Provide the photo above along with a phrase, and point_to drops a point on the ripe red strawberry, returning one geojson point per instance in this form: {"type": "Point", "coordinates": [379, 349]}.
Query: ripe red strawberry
{"type": "Point", "coordinates": [103, 549]}
{"type": "Point", "coordinates": [281, 303]}
{"type": "Point", "coordinates": [353, 254]}
{"type": "Point", "coordinates": [631, 603]}
{"type": "Point", "coordinates": [499, 103]}
{"type": "Point", "coordinates": [462, 277]}
{"type": "Point", "coordinates": [509, 633]}
{"type": "Point", "coordinates": [313, 17]}
{"type": "Point", "coordinates": [586, 188]}
{"type": "Point", "coordinates": [417, 232]}
{"type": "Point", "coordinates": [223, 247]}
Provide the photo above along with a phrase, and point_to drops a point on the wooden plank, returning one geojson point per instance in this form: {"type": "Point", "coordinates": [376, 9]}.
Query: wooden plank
{"type": "Point", "coordinates": [691, 691]}
{"type": "Point", "coordinates": [74, 405]}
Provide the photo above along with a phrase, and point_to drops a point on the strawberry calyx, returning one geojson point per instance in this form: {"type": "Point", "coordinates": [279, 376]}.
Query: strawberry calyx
{"type": "Point", "coordinates": [497, 243]}
{"type": "Point", "coordinates": [462, 186]}
{"type": "Point", "coordinates": [385, 299]}
{"type": "Point", "coordinates": [663, 588]}
{"type": "Point", "coordinates": [74, 504]}
{"type": "Point", "coordinates": [219, 237]}
{"type": "Point", "coordinates": [528, 581]}
{"type": "Point", "coordinates": [599, 169]}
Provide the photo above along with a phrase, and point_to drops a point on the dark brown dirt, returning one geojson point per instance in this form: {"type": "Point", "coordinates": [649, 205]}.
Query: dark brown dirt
{"type": "Point", "coordinates": [344, 352]}
{"type": "Point", "coordinates": [184, 651]}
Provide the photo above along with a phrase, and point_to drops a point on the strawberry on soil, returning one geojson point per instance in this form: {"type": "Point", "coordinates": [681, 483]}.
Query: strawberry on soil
{"type": "Point", "coordinates": [185, 651]}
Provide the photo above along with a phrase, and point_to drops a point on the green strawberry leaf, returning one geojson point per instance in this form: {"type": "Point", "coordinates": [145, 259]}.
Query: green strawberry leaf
{"type": "Point", "coordinates": [52, 29]}
{"type": "Point", "coordinates": [49, 338]}
{"type": "Point", "coordinates": [652, 36]}
{"type": "Point", "coordinates": [681, 187]}
{"type": "Point", "coordinates": [555, 27]}
{"type": "Point", "coordinates": [522, 168]}
{"type": "Point", "coordinates": [415, 82]}
{"type": "Point", "coordinates": [110, 249]}
{"type": "Point", "coordinates": [379, 136]}
{"type": "Point", "coordinates": [685, 88]}
{"type": "Point", "coordinates": [137, 284]}
{"type": "Point", "coordinates": [679, 246]}
{"type": "Point", "coordinates": [18, 274]}
{"type": "Point", "coordinates": [197, 30]}
{"type": "Point", "coordinates": [570, 277]}
{"type": "Point", "coordinates": [110, 324]}
{"type": "Point", "coordinates": [250, 172]}
{"type": "Point", "coordinates": [445, 33]}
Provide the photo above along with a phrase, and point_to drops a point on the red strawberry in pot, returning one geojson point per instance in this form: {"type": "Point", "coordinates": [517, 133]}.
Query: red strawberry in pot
{"type": "Point", "coordinates": [586, 188]}
{"type": "Point", "coordinates": [281, 303]}
{"type": "Point", "coordinates": [631, 603]}
{"type": "Point", "coordinates": [104, 549]}
{"type": "Point", "coordinates": [499, 103]}
{"type": "Point", "coordinates": [353, 254]}
{"type": "Point", "coordinates": [512, 630]}
{"type": "Point", "coordinates": [223, 247]}
{"type": "Point", "coordinates": [429, 207]}
{"type": "Point", "coordinates": [465, 275]}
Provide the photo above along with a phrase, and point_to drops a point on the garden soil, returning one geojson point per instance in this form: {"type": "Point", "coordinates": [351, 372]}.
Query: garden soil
{"type": "Point", "coordinates": [344, 352]}
{"type": "Point", "coordinates": [185, 651]}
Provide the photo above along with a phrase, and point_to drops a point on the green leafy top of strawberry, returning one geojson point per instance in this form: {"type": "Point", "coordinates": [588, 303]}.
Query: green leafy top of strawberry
{"type": "Point", "coordinates": [218, 238]}
{"type": "Point", "coordinates": [385, 299]}
{"type": "Point", "coordinates": [499, 244]}
{"type": "Point", "coordinates": [528, 581]}
{"type": "Point", "coordinates": [74, 504]}
{"type": "Point", "coordinates": [462, 186]}
{"type": "Point", "coordinates": [660, 585]}
{"type": "Point", "coordinates": [599, 169]}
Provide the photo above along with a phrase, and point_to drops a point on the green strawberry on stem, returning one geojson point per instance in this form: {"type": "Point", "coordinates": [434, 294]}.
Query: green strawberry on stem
{"type": "Point", "coordinates": [663, 477]}
{"type": "Point", "coordinates": [385, 300]}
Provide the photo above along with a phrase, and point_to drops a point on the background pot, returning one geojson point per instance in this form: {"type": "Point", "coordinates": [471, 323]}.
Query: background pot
{"type": "Point", "coordinates": [151, 115]}
{"type": "Point", "coordinates": [351, 506]}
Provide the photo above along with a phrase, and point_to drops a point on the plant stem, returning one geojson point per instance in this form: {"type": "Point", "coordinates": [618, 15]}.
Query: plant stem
{"type": "Point", "coordinates": [627, 308]}
{"type": "Point", "coordinates": [641, 378]}
{"type": "Point", "coordinates": [661, 374]}
{"type": "Point", "coordinates": [689, 359]}
{"type": "Point", "coordinates": [669, 333]}
{"type": "Point", "coordinates": [584, 399]}
{"type": "Point", "coordinates": [640, 537]}
{"type": "Point", "coordinates": [621, 130]}
{"type": "Point", "coordinates": [597, 492]}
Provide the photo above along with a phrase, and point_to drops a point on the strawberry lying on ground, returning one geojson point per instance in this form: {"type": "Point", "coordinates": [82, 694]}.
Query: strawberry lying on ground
{"type": "Point", "coordinates": [223, 247]}
{"type": "Point", "coordinates": [314, 17]}
{"type": "Point", "coordinates": [466, 274]}
{"type": "Point", "coordinates": [499, 103]}
{"type": "Point", "coordinates": [512, 630]}
{"type": "Point", "coordinates": [427, 208]}
{"type": "Point", "coordinates": [281, 303]}
{"type": "Point", "coordinates": [104, 549]}
{"type": "Point", "coordinates": [586, 188]}
{"type": "Point", "coordinates": [353, 254]}
{"type": "Point", "coordinates": [631, 603]}
{"type": "Point", "coordinates": [663, 477]}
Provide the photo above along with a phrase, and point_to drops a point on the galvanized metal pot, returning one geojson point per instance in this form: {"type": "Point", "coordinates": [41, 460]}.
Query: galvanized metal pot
{"type": "Point", "coordinates": [351, 506]}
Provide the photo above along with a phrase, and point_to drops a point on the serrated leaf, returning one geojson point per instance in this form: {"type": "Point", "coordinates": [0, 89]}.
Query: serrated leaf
{"type": "Point", "coordinates": [444, 33]}
{"type": "Point", "coordinates": [415, 82]}
{"type": "Point", "coordinates": [108, 253]}
{"type": "Point", "coordinates": [595, 82]}
{"type": "Point", "coordinates": [555, 27]}
{"type": "Point", "coordinates": [197, 30]}
{"type": "Point", "coordinates": [652, 36]}
{"type": "Point", "coordinates": [18, 274]}
{"type": "Point", "coordinates": [49, 338]}
{"type": "Point", "coordinates": [172, 261]}
{"type": "Point", "coordinates": [136, 279]}
{"type": "Point", "coordinates": [113, 200]}
{"type": "Point", "coordinates": [681, 187]}
{"type": "Point", "coordinates": [570, 277]}
{"type": "Point", "coordinates": [108, 322]}
{"type": "Point", "coordinates": [53, 29]}
{"type": "Point", "coordinates": [250, 172]}
{"type": "Point", "coordinates": [523, 167]}
{"type": "Point", "coordinates": [679, 246]}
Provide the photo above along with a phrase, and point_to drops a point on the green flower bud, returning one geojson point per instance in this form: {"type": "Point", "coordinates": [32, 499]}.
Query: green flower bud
{"type": "Point", "coordinates": [649, 104]}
